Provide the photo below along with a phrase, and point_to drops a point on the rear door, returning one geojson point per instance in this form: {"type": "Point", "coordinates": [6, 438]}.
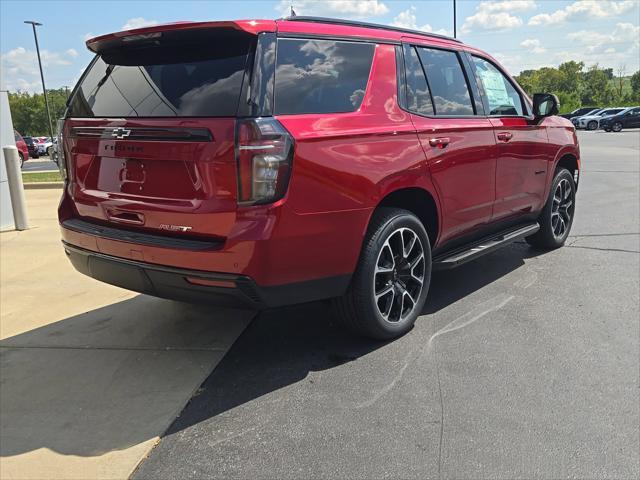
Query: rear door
{"type": "Point", "coordinates": [150, 131]}
{"type": "Point", "coordinates": [523, 146]}
{"type": "Point", "coordinates": [457, 140]}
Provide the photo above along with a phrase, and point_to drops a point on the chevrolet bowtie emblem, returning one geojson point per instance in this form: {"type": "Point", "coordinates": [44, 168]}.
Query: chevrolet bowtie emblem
{"type": "Point", "coordinates": [120, 133]}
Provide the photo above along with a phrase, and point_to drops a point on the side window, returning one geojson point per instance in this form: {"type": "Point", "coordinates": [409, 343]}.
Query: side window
{"type": "Point", "coordinates": [321, 76]}
{"type": "Point", "coordinates": [447, 82]}
{"type": "Point", "coordinates": [500, 95]}
{"type": "Point", "coordinates": [418, 95]}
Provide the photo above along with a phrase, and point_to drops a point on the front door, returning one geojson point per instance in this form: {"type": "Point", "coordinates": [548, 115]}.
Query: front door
{"type": "Point", "coordinates": [523, 151]}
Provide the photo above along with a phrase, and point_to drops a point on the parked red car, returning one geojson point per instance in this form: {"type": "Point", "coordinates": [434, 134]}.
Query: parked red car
{"type": "Point", "coordinates": [23, 150]}
{"type": "Point", "coordinates": [303, 159]}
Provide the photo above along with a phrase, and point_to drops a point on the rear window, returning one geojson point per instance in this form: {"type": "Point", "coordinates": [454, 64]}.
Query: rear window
{"type": "Point", "coordinates": [174, 75]}
{"type": "Point", "coordinates": [321, 76]}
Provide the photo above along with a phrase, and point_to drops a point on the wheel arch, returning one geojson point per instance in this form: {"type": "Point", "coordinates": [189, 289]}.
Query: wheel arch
{"type": "Point", "coordinates": [419, 201]}
{"type": "Point", "coordinates": [571, 161]}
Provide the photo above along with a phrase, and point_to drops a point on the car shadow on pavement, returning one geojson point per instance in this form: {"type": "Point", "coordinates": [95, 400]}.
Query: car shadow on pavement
{"type": "Point", "coordinates": [115, 377]}
{"type": "Point", "coordinates": [282, 346]}
{"type": "Point", "coordinates": [110, 378]}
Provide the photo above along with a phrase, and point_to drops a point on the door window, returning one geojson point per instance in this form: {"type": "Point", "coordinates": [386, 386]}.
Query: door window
{"type": "Point", "coordinates": [446, 80]}
{"type": "Point", "coordinates": [418, 95]}
{"type": "Point", "coordinates": [500, 95]}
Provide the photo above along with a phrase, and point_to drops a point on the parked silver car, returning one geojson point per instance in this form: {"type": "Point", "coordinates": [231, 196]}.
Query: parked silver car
{"type": "Point", "coordinates": [592, 121]}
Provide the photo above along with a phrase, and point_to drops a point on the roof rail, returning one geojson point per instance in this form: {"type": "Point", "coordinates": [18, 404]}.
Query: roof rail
{"type": "Point", "coordinates": [354, 23]}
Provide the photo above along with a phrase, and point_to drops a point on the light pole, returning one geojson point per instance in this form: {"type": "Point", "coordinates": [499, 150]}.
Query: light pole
{"type": "Point", "coordinates": [44, 89]}
{"type": "Point", "coordinates": [454, 19]}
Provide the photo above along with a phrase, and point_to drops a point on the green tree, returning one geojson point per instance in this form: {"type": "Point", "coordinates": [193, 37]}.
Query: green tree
{"type": "Point", "coordinates": [29, 113]}
{"type": "Point", "coordinates": [635, 86]}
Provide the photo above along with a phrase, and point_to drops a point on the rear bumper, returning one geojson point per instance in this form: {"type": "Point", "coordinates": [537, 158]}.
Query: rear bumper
{"type": "Point", "coordinates": [196, 286]}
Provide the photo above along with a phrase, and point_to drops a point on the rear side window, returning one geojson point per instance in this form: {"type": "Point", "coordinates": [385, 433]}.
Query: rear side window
{"type": "Point", "coordinates": [321, 76]}
{"type": "Point", "coordinates": [183, 76]}
{"type": "Point", "coordinates": [500, 95]}
{"type": "Point", "coordinates": [447, 82]}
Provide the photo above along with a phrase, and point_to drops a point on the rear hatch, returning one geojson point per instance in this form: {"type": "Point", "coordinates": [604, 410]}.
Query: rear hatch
{"type": "Point", "coordinates": [150, 128]}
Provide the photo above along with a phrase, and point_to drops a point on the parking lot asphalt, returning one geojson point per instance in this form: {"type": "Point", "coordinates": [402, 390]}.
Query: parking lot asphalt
{"type": "Point", "coordinates": [42, 164]}
{"type": "Point", "coordinates": [525, 364]}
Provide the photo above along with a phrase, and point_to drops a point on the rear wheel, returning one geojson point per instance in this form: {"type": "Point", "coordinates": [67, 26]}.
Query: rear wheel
{"type": "Point", "coordinates": [592, 125]}
{"type": "Point", "coordinates": [556, 217]}
{"type": "Point", "coordinates": [616, 127]}
{"type": "Point", "coordinates": [21, 159]}
{"type": "Point", "coordinates": [389, 287]}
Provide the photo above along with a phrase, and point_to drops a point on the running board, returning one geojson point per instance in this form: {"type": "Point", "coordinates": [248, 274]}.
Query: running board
{"type": "Point", "coordinates": [489, 244]}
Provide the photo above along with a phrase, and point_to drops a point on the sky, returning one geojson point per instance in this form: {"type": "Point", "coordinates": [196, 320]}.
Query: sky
{"type": "Point", "coordinates": [521, 34]}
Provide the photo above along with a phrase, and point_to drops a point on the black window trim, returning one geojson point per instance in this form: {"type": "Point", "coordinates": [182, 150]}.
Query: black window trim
{"type": "Point", "coordinates": [334, 38]}
{"type": "Point", "coordinates": [459, 54]}
{"type": "Point", "coordinates": [526, 109]}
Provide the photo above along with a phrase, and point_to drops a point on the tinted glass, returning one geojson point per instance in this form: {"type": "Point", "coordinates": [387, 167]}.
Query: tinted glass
{"type": "Point", "coordinates": [448, 86]}
{"type": "Point", "coordinates": [164, 80]}
{"type": "Point", "coordinates": [321, 76]}
{"type": "Point", "coordinates": [418, 96]}
{"type": "Point", "coordinates": [501, 96]}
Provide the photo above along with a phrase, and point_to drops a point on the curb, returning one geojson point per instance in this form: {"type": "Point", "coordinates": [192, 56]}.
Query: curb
{"type": "Point", "coordinates": [42, 185]}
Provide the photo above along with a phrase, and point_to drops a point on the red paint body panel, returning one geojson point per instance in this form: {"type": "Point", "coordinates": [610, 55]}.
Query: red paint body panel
{"type": "Point", "coordinates": [344, 164]}
{"type": "Point", "coordinates": [21, 145]}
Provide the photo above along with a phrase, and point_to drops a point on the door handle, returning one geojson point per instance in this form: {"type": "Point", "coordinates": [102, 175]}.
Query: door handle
{"type": "Point", "coordinates": [504, 136]}
{"type": "Point", "coordinates": [439, 142]}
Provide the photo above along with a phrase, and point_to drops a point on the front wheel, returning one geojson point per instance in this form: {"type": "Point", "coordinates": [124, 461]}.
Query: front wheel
{"type": "Point", "coordinates": [21, 159]}
{"type": "Point", "coordinates": [616, 127]}
{"type": "Point", "coordinates": [389, 287]}
{"type": "Point", "coordinates": [592, 125]}
{"type": "Point", "coordinates": [556, 217]}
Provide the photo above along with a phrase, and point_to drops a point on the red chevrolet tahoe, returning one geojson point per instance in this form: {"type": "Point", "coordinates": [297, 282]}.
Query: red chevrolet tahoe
{"type": "Point", "coordinates": [277, 162]}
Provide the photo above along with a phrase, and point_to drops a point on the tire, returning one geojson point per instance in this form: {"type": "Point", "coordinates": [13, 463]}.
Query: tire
{"type": "Point", "coordinates": [389, 287]}
{"type": "Point", "coordinates": [617, 127]}
{"type": "Point", "coordinates": [21, 159]}
{"type": "Point", "coordinates": [592, 125]}
{"type": "Point", "coordinates": [557, 215]}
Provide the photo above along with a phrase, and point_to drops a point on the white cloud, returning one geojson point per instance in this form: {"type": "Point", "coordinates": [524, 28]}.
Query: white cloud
{"type": "Point", "coordinates": [625, 35]}
{"type": "Point", "coordinates": [138, 22]}
{"type": "Point", "coordinates": [497, 15]}
{"type": "Point", "coordinates": [509, 5]}
{"type": "Point", "coordinates": [19, 67]}
{"type": "Point", "coordinates": [533, 45]}
{"type": "Point", "coordinates": [584, 9]}
{"type": "Point", "coordinates": [349, 8]}
{"type": "Point", "coordinates": [407, 19]}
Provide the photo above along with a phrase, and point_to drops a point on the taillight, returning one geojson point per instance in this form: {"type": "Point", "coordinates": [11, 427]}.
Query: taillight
{"type": "Point", "coordinates": [264, 155]}
{"type": "Point", "coordinates": [59, 150]}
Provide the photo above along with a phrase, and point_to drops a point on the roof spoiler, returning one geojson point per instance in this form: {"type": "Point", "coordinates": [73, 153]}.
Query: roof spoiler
{"type": "Point", "coordinates": [105, 42]}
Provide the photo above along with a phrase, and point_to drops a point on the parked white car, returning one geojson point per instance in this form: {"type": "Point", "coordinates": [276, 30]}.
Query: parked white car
{"type": "Point", "coordinates": [45, 146]}
{"type": "Point", "coordinates": [592, 121]}
{"type": "Point", "coordinates": [575, 120]}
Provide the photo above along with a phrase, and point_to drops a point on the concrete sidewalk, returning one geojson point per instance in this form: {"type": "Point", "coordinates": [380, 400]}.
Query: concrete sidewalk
{"type": "Point", "coordinates": [91, 374]}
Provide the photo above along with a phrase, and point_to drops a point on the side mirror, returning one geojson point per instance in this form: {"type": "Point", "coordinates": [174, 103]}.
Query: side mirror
{"type": "Point", "coordinates": [545, 104]}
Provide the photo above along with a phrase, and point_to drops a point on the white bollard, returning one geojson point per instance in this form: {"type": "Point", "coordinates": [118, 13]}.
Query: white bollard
{"type": "Point", "coordinates": [16, 189]}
